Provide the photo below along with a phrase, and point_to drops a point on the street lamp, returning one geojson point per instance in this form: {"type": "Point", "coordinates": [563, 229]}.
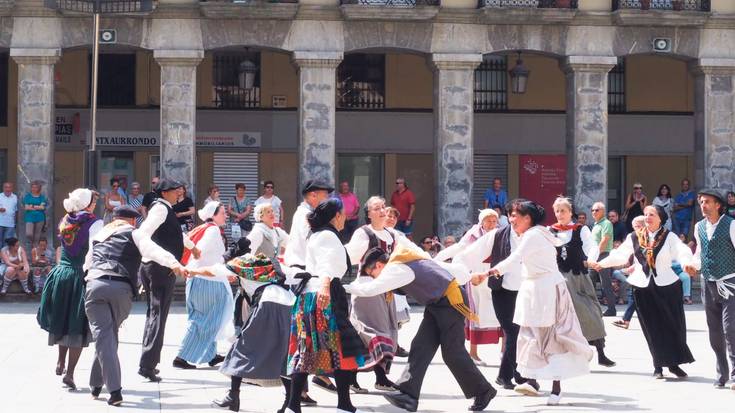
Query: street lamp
{"type": "Point", "coordinates": [519, 76]}
{"type": "Point", "coordinates": [246, 74]}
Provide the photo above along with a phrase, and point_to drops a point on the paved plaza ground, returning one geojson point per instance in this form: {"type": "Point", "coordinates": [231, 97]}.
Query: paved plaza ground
{"type": "Point", "coordinates": [28, 383]}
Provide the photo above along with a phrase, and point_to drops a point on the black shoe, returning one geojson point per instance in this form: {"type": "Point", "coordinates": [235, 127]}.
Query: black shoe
{"type": "Point", "coordinates": [216, 360]}
{"type": "Point", "coordinates": [678, 372]}
{"type": "Point", "coordinates": [605, 362]}
{"type": "Point", "coordinates": [326, 385]}
{"type": "Point", "coordinates": [96, 392]}
{"type": "Point", "coordinates": [610, 312]}
{"type": "Point", "coordinates": [231, 401]}
{"type": "Point", "coordinates": [402, 401]}
{"type": "Point", "coordinates": [401, 352]}
{"type": "Point", "coordinates": [115, 398]}
{"type": "Point", "coordinates": [180, 363]}
{"type": "Point", "coordinates": [306, 400]}
{"type": "Point", "coordinates": [658, 373]}
{"type": "Point", "coordinates": [69, 382]}
{"type": "Point", "coordinates": [506, 384]}
{"type": "Point", "coordinates": [483, 400]}
{"type": "Point", "coordinates": [149, 374]}
{"type": "Point", "coordinates": [719, 384]}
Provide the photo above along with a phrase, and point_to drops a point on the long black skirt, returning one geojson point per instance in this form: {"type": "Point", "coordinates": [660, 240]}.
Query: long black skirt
{"type": "Point", "coordinates": [661, 314]}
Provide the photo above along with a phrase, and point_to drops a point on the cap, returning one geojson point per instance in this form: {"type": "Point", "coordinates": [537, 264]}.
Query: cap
{"type": "Point", "coordinates": [313, 185]}
{"type": "Point", "coordinates": [168, 184]}
{"type": "Point", "coordinates": [125, 211]}
{"type": "Point", "coordinates": [713, 193]}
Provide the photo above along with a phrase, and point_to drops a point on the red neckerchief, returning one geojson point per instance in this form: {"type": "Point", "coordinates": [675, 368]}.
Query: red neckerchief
{"type": "Point", "coordinates": [195, 235]}
{"type": "Point", "coordinates": [567, 227]}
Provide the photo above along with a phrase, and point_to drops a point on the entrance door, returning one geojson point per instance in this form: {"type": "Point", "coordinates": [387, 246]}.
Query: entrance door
{"type": "Point", "coordinates": [364, 174]}
{"type": "Point", "coordinates": [120, 165]}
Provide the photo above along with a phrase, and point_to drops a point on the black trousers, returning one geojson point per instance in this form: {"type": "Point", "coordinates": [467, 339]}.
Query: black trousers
{"type": "Point", "coordinates": [159, 283]}
{"type": "Point", "coordinates": [504, 302]}
{"type": "Point", "coordinates": [442, 326]}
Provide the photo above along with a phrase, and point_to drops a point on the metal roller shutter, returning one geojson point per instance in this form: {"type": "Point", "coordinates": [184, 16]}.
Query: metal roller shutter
{"type": "Point", "coordinates": [487, 167]}
{"type": "Point", "coordinates": [231, 168]}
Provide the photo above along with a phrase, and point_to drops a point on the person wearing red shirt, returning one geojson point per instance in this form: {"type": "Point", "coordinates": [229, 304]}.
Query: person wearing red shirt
{"type": "Point", "coordinates": [405, 202]}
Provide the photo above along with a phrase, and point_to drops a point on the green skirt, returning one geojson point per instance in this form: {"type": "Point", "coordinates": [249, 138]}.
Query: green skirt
{"type": "Point", "coordinates": [61, 311]}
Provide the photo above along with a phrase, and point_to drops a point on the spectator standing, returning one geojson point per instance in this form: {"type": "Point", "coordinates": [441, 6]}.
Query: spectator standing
{"type": "Point", "coordinates": [502, 218]}
{"type": "Point", "coordinates": [269, 197]}
{"type": "Point", "coordinates": [34, 205]}
{"type": "Point", "coordinates": [729, 209]}
{"type": "Point", "coordinates": [8, 212]}
{"type": "Point", "coordinates": [634, 204]}
{"type": "Point", "coordinates": [582, 218]}
{"type": "Point", "coordinates": [212, 195]}
{"type": "Point", "coordinates": [496, 197]}
{"type": "Point", "coordinates": [135, 200]}
{"type": "Point", "coordinates": [15, 266]}
{"type": "Point", "coordinates": [404, 201]}
{"type": "Point", "coordinates": [149, 197]}
{"type": "Point", "coordinates": [240, 213]}
{"type": "Point", "coordinates": [113, 199]}
{"type": "Point", "coordinates": [184, 209]}
{"type": "Point", "coordinates": [663, 199]}
{"type": "Point", "coordinates": [619, 231]}
{"type": "Point", "coordinates": [352, 210]}
{"type": "Point", "coordinates": [42, 259]}
{"type": "Point", "coordinates": [602, 234]}
{"type": "Point", "coordinates": [683, 209]}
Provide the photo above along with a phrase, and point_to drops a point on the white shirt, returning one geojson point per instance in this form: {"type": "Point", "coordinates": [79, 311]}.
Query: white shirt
{"type": "Point", "coordinates": [10, 203]}
{"type": "Point", "coordinates": [325, 258]}
{"type": "Point", "coordinates": [589, 247]}
{"type": "Point", "coordinates": [395, 275]}
{"type": "Point", "coordinates": [275, 203]}
{"type": "Point", "coordinates": [295, 253]}
{"type": "Point", "coordinates": [277, 237]}
{"type": "Point", "coordinates": [212, 250]}
{"type": "Point", "coordinates": [672, 250]}
{"type": "Point", "coordinates": [142, 237]}
{"type": "Point", "coordinates": [481, 249]}
{"type": "Point", "coordinates": [359, 243]}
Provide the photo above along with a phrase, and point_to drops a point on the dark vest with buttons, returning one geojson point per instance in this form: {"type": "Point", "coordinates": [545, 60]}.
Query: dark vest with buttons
{"type": "Point", "coordinates": [168, 235]}
{"type": "Point", "coordinates": [501, 246]}
{"type": "Point", "coordinates": [118, 255]}
{"type": "Point", "coordinates": [570, 257]}
{"type": "Point", "coordinates": [430, 282]}
{"type": "Point", "coordinates": [718, 253]}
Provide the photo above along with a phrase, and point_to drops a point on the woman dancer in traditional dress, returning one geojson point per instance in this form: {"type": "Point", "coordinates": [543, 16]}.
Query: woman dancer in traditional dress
{"type": "Point", "coordinates": [322, 338]}
{"type": "Point", "coordinates": [209, 302]}
{"type": "Point", "coordinates": [550, 342]}
{"type": "Point", "coordinates": [657, 290]}
{"type": "Point", "coordinates": [577, 246]}
{"type": "Point", "coordinates": [61, 311]}
{"type": "Point", "coordinates": [487, 330]}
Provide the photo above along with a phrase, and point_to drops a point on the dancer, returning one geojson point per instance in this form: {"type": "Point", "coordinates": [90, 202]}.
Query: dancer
{"type": "Point", "coordinates": [550, 341]}
{"type": "Point", "coordinates": [639, 224]}
{"type": "Point", "coordinates": [403, 310]}
{"type": "Point", "coordinates": [61, 311]}
{"type": "Point", "coordinates": [576, 246]}
{"type": "Point", "coordinates": [657, 289]}
{"type": "Point", "coordinates": [436, 286]}
{"type": "Point", "coordinates": [715, 236]}
{"type": "Point", "coordinates": [161, 241]}
{"type": "Point", "coordinates": [209, 302]}
{"type": "Point", "coordinates": [266, 238]}
{"type": "Point", "coordinates": [487, 330]}
{"type": "Point", "coordinates": [323, 340]}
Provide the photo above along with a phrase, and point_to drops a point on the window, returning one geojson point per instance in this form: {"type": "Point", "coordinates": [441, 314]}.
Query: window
{"type": "Point", "coordinates": [115, 79]}
{"type": "Point", "coordinates": [491, 84]}
{"type": "Point", "coordinates": [3, 164]}
{"type": "Point", "coordinates": [227, 91]}
{"type": "Point", "coordinates": [616, 88]}
{"type": "Point", "coordinates": [361, 81]}
{"type": "Point", "coordinates": [3, 89]}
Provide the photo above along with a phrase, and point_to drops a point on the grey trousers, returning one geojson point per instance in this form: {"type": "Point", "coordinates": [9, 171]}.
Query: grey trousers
{"type": "Point", "coordinates": [720, 314]}
{"type": "Point", "coordinates": [605, 276]}
{"type": "Point", "coordinates": [107, 304]}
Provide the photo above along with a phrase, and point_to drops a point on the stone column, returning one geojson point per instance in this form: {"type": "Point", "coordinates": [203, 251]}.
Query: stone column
{"type": "Point", "coordinates": [317, 86]}
{"type": "Point", "coordinates": [178, 115]}
{"type": "Point", "coordinates": [454, 76]}
{"type": "Point", "coordinates": [36, 126]}
{"type": "Point", "coordinates": [587, 128]}
{"type": "Point", "coordinates": [714, 119]}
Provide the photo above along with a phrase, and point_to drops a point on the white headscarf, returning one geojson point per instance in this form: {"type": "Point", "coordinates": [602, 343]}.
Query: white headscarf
{"type": "Point", "coordinates": [78, 199]}
{"type": "Point", "coordinates": [208, 210]}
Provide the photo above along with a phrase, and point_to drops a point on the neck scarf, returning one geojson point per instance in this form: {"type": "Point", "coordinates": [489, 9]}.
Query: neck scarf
{"type": "Point", "coordinates": [565, 227]}
{"type": "Point", "coordinates": [649, 247]}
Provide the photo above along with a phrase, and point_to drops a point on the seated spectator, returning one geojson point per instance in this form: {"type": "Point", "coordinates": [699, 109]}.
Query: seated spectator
{"type": "Point", "coordinates": [15, 266]}
{"type": "Point", "coordinates": [42, 259]}
{"type": "Point", "coordinates": [431, 245]}
{"type": "Point", "coordinates": [449, 241]}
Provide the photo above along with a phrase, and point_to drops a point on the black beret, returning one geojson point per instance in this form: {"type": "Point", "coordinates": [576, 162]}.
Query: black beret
{"type": "Point", "coordinates": [313, 185]}
{"type": "Point", "coordinates": [125, 211]}
{"type": "Point", "coordinates": [713, 193]}
{"type": "Point", "coordinates": [167, 185]}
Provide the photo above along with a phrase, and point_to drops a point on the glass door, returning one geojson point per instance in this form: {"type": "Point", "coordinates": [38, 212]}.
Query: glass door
{"type": "Point", "coordinates": [118, 165]}
{"type": "Point", "coordinates": [364, 173]}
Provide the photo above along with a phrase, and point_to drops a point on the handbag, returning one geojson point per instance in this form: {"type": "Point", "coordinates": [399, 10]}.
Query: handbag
{"type": "Point", "coordinates": [244, 224]}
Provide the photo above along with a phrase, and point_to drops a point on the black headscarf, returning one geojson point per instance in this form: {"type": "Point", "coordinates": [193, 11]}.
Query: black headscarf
{"type": "Point", "coordinates": [323, 214]}
{"type": "Point", "coordinates": [661, 212]}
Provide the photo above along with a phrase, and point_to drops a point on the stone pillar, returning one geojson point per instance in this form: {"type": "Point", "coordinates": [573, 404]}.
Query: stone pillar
{"type": "Point", "coordinates": [714, 120]}
{"type": "Point", "coordinates": [317, 86]}
{"type": "Point", "coordinates": [36, 127]}
{"type": "Point", "coordinates": [178, 115]}
{"type": "Point", "coordinates": [454, 76]}
{"type": "Point", "coordinates": [587, 129]}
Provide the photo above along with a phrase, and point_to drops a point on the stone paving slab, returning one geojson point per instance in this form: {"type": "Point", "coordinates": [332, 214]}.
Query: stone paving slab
{"type": "Point", "coordinates": [28, 383]}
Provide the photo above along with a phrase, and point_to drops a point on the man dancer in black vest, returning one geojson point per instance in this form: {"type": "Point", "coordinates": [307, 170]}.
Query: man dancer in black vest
{"type": "Point", "coordinates": [161, 241]}
{"type": "Point", "coordinates": [436, 286]}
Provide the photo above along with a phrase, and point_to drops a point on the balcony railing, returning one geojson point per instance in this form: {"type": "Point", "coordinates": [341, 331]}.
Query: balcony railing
{"type": "Point", "coordinates": [529, 4]}
{"type": "Point", "coordinates": [688, 5]}
{"type": "Point", "coordinates": [248, 1]}
{"type": "Point", "coordinates": [102, 7]}
{"type": "Point", "coordinates": [392, 3]}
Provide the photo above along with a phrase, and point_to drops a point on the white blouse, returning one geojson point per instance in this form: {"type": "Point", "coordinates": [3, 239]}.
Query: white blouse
{"type": "Point", "coordinates": [672, 250]}
{"type": "Point", "coordinates": [296, 250]}
{"type": "Point", "coordinates": [479, 250]}
{"type": "Point", "coordinates": [474, 233]}
{"type": "Point", "coordinates": [359, 243]}
{"type": "Point", "coordinates": [277, 237]}
{"type": "Point", "coordinates": [212, 250]}
{"type": "Point", "coordinates": [325, 258]}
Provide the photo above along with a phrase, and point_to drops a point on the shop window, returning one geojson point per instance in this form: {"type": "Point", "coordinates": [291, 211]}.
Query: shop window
{"type": "Point", "coordinates": [115, 79]}
{"type": "Point", "coordinates": [3, 89]}
{"type": "Point", "coordinates": [616, 88]}
{"type": "Point", "coordinates": [361, 81]}
{"type": "Point", "coordinates": [231, 90]}
{"type": "Point", "coordinates": [491, 84]}
{"type": "Point", "coordinates": [364, 173]}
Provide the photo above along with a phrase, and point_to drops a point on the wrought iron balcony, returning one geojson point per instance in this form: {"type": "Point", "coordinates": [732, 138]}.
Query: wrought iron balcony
{"type": "Point", "coordinates": [392, 3]}
{"type": "Point", "coordinates": [249, 9]}
{"type": "Point", "coordinates": [678, 5]}
{"type": "Point", "coordinates": [529, 4]}
{"type": "Point", "coordinates": [389, 9]}
{"type": "Point", "coordinates": [101, 6]}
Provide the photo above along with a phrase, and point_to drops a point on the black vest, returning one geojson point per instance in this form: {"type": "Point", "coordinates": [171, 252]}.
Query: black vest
{"type": "Point", "coordinates": [501, 245]}
{"type": "Point", "coordinates": [570, 257]}
{"type": "Point", "coordinates": [430, 282]}
{"type": "Point", "coordinates": [119, 255]}
{"type": "Point", "coordinates": [168, 235]}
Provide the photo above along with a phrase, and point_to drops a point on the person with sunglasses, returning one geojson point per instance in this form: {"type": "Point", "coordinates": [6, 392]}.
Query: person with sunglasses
{"type": "Point", "coordinates": [634, 204]}
{"type": "Point", "coordinates": [404, 201]}
{"type": "Point", "coordinates": [269, 197]}
{"type": "Point", "coordinates": [113, 199]}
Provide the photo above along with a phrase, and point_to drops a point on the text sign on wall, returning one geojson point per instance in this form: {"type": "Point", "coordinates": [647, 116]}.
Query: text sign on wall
{"type": "Point", "coordinates": [543, 178]}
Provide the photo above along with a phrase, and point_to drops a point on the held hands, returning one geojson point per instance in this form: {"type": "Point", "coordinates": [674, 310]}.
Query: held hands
{"type": "Point", "coordinates": [594, 265]}
{"type": "Point", "coordinates": [478, 279]}
{"type": "Point", "coordinates": [180, 271]}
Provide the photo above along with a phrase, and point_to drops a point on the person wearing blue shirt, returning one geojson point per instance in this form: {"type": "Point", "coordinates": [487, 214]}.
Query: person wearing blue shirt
{"type": "Point", "coordinates": [683, 209]}
{"type": "Point", "coordinates": [496, 197]}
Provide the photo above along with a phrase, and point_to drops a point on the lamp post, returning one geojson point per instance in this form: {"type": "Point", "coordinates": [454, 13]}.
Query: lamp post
{"type": "Point", "coordinates": [97, 8]}
{"type": "Point", "coordinates": [519, 76]}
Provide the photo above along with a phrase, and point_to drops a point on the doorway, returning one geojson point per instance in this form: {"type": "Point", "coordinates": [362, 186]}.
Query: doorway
{"type": "Point", "coordinates": [364, 173]}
